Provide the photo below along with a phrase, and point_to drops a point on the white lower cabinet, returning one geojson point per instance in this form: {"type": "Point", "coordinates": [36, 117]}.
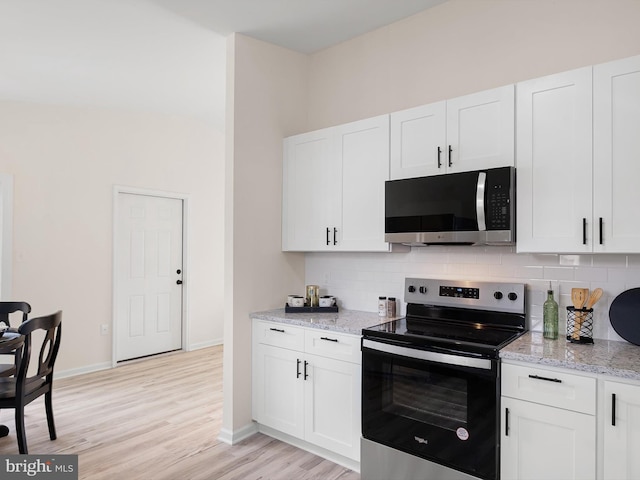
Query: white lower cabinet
{"type": "Point", "coordinates": [308, 389]}
{"type": "Point", "coordinates": [543, 442]}
{"type": "Point", "coordinates": [621, 428]}
{"type": "Point", "coordinates": [548, 423]}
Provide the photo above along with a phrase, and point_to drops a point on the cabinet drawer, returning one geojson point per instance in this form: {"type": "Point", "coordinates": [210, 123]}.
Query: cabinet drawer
{"type": "Point", "coordinates": [279, 335]}
{"type": "Point", "coordinates": [550, 387]}
{"type": "Point", "coordinates": [333, 345]}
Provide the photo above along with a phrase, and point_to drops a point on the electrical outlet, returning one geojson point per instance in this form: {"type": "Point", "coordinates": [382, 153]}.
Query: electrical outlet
{"type": "Point", "coordinates": [104, 329]}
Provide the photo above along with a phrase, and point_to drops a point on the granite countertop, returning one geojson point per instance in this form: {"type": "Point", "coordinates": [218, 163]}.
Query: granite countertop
{"type": "Point", "coordinates": [618, 359]}
{"type": "Point", "coordinates": [344, 321]}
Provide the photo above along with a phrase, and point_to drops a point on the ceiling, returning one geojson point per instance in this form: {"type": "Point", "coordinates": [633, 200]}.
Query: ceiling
{"type": "Point", "coordinates": [162, 55]}
{"type": "Point", "coordinates": [302, 25]}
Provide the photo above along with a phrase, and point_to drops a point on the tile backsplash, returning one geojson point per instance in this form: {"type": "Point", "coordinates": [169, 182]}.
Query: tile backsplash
{"type": "Point", "coordinates": [358, 279]}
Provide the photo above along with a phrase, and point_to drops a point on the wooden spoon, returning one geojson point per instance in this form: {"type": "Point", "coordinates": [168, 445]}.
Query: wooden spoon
{"type": "Point", "coordinates": [579, 298]}
{"type": "Point", "coordinates": [593, 298]}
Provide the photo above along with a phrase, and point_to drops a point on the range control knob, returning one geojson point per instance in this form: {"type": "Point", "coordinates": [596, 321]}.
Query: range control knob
{"type": "Point", "coordinates": [423, 289]}
{"type": "Point", "coordinates": [513, 296]}
{"type": "Point", "coordinates": [497, 295]}
{"type": "Point", "coordinates": [412, 289]}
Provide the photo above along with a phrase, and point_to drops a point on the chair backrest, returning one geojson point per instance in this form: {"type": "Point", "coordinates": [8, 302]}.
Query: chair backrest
{"type": "Point", "coordinates": [52, 325]}
{"type": "Point", "coordinates": [6, 308]}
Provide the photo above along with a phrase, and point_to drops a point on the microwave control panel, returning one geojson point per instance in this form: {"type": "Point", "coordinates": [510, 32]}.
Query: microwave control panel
{"type": "Point", "coordinates": [498, 208]}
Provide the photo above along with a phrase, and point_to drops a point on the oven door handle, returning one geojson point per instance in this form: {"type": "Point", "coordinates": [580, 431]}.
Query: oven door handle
{"type": "Point", "coordinates": [444, 358]}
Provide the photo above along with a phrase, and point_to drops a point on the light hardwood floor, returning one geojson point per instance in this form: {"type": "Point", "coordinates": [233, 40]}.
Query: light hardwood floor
{"type": "Point", "coordinates": [158, 419]}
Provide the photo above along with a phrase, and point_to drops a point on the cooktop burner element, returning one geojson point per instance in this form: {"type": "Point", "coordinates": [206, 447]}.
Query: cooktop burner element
{"type": "Point", "coordinates": [478, 318]}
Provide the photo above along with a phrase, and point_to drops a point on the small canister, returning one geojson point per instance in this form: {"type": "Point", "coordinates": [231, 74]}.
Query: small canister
{"type": "Point", "coordinates": [382, 306]}
{"type": "Point", "coordinates": [391, 307]}
{"type": "Point", "coordinates": [313, 295]}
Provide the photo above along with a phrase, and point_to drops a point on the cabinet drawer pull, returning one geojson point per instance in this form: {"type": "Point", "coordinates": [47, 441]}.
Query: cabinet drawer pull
{"type": "Point", "coordinates": [506, 422]}
{"type": "Point", "coordinates": [298, 367]}
{"type": "Point", "coordinates": [600, 228]}
{"type": "Point", "coordinates": [305, 369]}
{"type": "Point", "coordinates": [536, 377]}
{"type": "Point", "coordinates": [276, 330]}
{"type": "Point", "coordinates": [450, 155]}
{"type": "Point", "coordinates": [329, 339]}
{"type": "Point", "coordinates": [613, 409]}
{"type": "Point", "coordinates": [584, 231]}
{"type": "Point", "coordinates": [328, 236]}
{"type": "Point", "coordinates": [439, 162]}
{"type": "Point", "coordinates": [335, 236]}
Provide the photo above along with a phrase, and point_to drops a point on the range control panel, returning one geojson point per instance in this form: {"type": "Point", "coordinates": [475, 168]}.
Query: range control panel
{"type": "Point", "coordinates": [493, 296]}
{"type": "Point", "coordinates": [459, 292]}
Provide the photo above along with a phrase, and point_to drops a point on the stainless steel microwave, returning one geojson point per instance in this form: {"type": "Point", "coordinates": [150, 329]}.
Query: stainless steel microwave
{"type": "Point", "coordinates": [467, 208]}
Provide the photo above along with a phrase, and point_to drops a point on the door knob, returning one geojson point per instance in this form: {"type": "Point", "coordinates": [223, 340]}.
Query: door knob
{"type": "Point", "coordinates": [179, 282]}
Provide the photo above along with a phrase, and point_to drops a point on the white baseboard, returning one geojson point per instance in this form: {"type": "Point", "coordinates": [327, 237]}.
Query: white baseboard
{"type": "Point", "coordinates": [72, 372]}
{"type": "Point", "coordinates": [232, 437]}
{"type": "Point", "coordinates": [210, 343]}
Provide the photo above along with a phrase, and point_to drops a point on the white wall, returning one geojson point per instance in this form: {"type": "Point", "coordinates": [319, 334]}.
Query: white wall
{"type": "Point", "coordinates": [95, 94]}
{"type": "Point", "coordinates": [460, 47]}
{"type": "Point", "coordinates": [267, 91]}
{"type": "Point", "coordinates": [65, 162]}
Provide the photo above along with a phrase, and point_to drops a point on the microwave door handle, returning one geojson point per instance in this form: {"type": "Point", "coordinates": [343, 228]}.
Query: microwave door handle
{"type": "Point", "coordinates": [480, 190]}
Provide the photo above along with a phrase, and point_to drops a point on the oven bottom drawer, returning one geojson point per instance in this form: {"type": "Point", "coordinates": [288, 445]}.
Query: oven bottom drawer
{"type": "Point", "coordinates": [379, 462]}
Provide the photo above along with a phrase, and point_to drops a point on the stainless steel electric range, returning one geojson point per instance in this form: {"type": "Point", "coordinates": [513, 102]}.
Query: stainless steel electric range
{"type": "Point", "coordinates": [430, 381]}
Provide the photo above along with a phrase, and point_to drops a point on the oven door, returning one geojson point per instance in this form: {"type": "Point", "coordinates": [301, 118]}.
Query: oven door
{"type": "Point", "coordinates": [438, 406]}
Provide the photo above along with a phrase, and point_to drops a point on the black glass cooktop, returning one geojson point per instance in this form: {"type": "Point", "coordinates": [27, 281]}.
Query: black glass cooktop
{"type": "Point", "coordinates": [418, 330]}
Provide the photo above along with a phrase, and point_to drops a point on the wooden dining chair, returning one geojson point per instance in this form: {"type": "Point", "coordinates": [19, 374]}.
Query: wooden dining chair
{"type": "Point", "coordinates": [6, 309]}
{"type": "Point", "coordinates": [18, 391]}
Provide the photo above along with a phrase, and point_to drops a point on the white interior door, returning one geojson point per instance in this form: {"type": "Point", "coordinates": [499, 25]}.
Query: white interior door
{"type": "Point", "coordinates": [148, 275]}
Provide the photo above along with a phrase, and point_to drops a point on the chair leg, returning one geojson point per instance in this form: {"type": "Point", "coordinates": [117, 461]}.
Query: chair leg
{"type": "Point", "coordinates": [20, 431]}
{"type": "Point", "coordinates": [48, 404]}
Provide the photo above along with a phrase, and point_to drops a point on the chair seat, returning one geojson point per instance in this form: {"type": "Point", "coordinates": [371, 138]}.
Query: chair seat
{"type": "Point", "coordinates": [7, 369]}
{"type": "Point", "coordinates": [8, 387]}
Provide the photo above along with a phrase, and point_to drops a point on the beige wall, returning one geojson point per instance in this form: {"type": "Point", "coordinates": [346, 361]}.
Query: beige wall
{"type": "Point", "coordinates": [464, 46]}
{"type": "Point", "coordinates": [267, 91]}
{"type": "Point", "coordinates": [65, 162]}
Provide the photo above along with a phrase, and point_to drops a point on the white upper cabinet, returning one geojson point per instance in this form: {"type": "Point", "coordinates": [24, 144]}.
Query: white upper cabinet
{"type": "Point", "coordinates": [553, 126]}
{"type": "Point", "coordinates": [466, 133]}
{"type": "Point", "coordinates": [577, 157]}
{"type": "Point", "coordinates": [616, 155]}
{"type": "Point", "coordinates": [308, 190]}
{"type": "Point", "coordinates": [333, 188]}
{"type": "Point", "coordinates": [418, 137]}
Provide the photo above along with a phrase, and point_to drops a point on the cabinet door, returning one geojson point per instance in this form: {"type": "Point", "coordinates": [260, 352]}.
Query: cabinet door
{"type": "Point", "coordinates": [616, 143]}
{"type": "Point", "coordinates": [480, 130]}
{"type": "Point", "coordinates": [332, 408]}
{"type": "Point", "coordinates": [418, 141]}
{"type": "Point", "coordinates": [554, 152]}
{"type": "Point", "coordinates": [278, 389]}
{"type": "Point", "coordinates": [308, 173]}
{"type": "Point", "coordinates": [363, 153]}
{"type": "Point", "coordinates": [542, 442]}
{"type": "Point", "coordinates": [621, 431]}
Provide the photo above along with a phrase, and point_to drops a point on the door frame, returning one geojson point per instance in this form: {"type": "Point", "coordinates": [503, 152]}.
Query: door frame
{"type": "Point", "coordinates": [6, 235]}
{"type": "Point", "coordinates": [117, 190]}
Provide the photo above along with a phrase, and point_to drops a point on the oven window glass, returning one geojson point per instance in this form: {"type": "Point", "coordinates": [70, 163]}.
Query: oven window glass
{"type": "Point", "coordinates": [427, 397]}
